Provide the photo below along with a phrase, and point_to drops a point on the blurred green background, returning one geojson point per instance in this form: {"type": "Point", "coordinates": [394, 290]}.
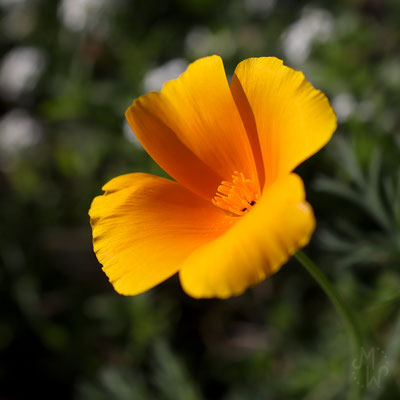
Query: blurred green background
{"type": "Point", "coordinates": [68, 71]}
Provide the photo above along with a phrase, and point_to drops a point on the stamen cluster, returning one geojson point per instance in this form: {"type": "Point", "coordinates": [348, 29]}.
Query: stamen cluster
{"type": "Point", "coordinates": [238, 196]}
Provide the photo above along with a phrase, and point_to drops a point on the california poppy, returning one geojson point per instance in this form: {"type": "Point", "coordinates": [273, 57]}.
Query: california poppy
{"type": "Point", "coordinates": [235, 211]}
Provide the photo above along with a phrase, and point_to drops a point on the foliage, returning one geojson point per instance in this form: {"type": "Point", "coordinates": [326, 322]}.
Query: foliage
{"type": "Point", "coordinates": [68, 71]}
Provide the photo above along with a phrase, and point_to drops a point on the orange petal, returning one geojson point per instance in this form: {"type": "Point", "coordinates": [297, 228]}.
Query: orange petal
{"type": "Point", "coordinates": [255, 247]}
{"type": "Point", "coordinates": [193, 129]}
{"type": "Point", "coordinates": [287, 120]}
{"type": "Point", "coordinates": [145, 226]}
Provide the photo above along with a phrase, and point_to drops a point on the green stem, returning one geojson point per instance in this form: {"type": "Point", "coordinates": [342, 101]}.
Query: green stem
{"type": "Point", "coordinates": [348, 318]}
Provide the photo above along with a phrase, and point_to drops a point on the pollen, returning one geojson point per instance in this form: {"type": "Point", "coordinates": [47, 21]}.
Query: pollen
{"type": "Point", "coordinates": [238, 196]}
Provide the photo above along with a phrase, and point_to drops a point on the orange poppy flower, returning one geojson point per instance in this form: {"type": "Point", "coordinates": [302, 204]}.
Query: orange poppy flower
{"type": "Point", "coordinates": [235, 212]}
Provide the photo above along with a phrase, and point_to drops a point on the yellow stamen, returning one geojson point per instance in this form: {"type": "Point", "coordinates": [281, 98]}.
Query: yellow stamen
{"type": "Point", "coordinates": [238, 196]}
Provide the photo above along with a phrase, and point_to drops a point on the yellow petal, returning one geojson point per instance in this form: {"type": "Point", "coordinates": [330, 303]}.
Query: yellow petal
{"type": "Point", "coordinates": [255, 247]}
{"type": "Point", "coordinates": [145, 226]}
{"type": "Point", "coordinates": [287, 120]}
{"type": "Point", "coordinates": [193, 129]}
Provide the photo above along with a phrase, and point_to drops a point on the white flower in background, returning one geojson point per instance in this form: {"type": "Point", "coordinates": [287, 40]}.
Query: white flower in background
{"type": "Point", "coordinates": [314, 25]}
{"type": "Point", "coordinates": [128, 133]}
{"type": "Point", "coordinates": [201, 42]}
{"type": "Point", "coordinates": [344, 105]}
{"type": "Point", "coordinates": [20, 70]}
{"type": "Point", "coordinates": [259, 6]}
{"type": "Point", "coordinates": [77, 15]}
{"type": "Point", "coordinates": [156, 77]}
{"type": "Point", "coordinates": [18, 130]}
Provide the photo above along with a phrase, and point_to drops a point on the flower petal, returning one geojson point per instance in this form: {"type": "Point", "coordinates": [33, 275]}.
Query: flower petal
{"type": "Point", "coordinates": [287, 120]}
{"type": "Point", "coordinates": [255, 247]}
{"type": "Point", "coordinates": [145, 226]}
{"type": "Point", "coordinates": [193, 129]}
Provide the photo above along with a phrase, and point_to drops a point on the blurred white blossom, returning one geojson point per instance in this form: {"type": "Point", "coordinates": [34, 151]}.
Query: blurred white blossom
{"type": "Point", "coordinates": [77, 15]}
{"type": "Point", "coordinates": [344, 105]}
{"type": "Point", "coordinates": [314, 25]}
{"type": "Point", "coordinates": [20, 70]}
{"type": "Point", "coordinates": [201, 42]}
{"type": "Point", "coordinates": [156, 77]}
{"type": "Point", "coordinates": [18, 130]}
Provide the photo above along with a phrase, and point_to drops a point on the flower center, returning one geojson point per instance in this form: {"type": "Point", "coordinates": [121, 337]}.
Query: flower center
{"type": "Point", "coordinates": [238, 196]}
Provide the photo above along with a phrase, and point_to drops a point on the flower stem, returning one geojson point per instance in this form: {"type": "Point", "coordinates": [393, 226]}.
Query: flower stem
{"type": "Point", "coordinates": [348, 317]}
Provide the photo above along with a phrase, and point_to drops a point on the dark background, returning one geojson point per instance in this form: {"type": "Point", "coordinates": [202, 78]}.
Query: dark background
{"type": "Point", "coordinates": [68, 71]}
